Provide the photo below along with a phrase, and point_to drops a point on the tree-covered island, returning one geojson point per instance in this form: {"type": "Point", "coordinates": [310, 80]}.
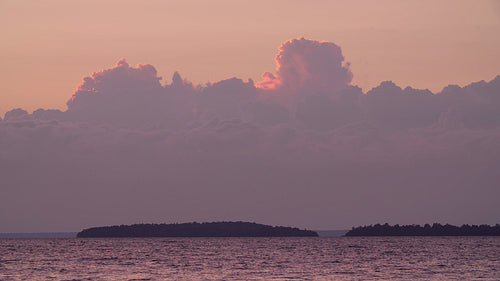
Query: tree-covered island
{"type": "Point", "coordinates": [194, 229]}
{"type": "Point", "coordinates": [435, 229]}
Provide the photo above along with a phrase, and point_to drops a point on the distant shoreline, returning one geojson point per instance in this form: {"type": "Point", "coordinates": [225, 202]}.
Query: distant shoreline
{"type": "Point", "coordinates": [194, 229]}
{"type": "Point", "coordinates": [435, 229]}
{"type": "Point", "coordinates": [41, 235]}
{"type": "Point", "coordinates": [365, 231]}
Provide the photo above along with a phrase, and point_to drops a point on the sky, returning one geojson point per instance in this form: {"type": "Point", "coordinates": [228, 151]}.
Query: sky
{"type": "Point", "coordinates": [322, 114]}
{"type": "Point", "coordinates": [48, 46]}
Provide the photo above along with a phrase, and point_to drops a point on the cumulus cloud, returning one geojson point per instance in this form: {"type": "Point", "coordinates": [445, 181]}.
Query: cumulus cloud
{"type": "Point", "coordinates": [307, 67]}
{"type": "Point", "coordinates": [303, 147]}
{"type": "Point", "coordinates": [121, 95]}
{"type": "Point", "coordinates": [17, 113]}
{"type": "Point", "coordinates": [303, 63]}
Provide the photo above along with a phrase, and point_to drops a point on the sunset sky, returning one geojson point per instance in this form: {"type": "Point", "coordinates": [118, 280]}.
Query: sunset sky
{"type": "Point", "coordinates": [48, 46]}
{"type": "Point", "coordinates": [317, 114]}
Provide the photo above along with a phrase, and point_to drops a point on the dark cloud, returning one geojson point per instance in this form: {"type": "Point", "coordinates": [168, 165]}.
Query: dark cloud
{"type": "Point", "coordinates": [391, 106]}
{"type": "Point", "coordinates": [311, 150]}
{"type": "Point", "coordinates": [226, 99]}
{"type": "Point", "coordinates": [17, 113]}
{"type": "Point", "coordinates": [122, 95]}
{"type": "Point", "coordinates": [474, 106]}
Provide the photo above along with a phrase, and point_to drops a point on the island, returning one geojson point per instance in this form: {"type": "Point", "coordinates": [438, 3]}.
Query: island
{"type": "Point", "coordinates": [194, 229]}
{"type": "Point", "coordinates": [427, 230]}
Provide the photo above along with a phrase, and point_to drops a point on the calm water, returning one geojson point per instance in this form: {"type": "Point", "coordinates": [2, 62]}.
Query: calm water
{"type": "Point", "coordinates": [340, 258]}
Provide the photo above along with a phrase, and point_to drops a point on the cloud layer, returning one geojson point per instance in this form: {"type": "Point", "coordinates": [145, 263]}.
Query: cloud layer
{"type": "Point", "coordinates": [302, 147]}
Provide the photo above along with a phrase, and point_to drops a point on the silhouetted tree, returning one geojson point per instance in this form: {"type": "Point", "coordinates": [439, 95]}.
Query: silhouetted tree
{"type": "Point", "coordinates": [416, 230]}
{"type": "Point", "coordinates": [194, 229]}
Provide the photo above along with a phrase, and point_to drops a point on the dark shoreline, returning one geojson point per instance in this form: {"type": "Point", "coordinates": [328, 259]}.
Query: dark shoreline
{"type": "Point", "coordinates": [194, 229]}
{"type": "Point", "coordinates": [435, 229]}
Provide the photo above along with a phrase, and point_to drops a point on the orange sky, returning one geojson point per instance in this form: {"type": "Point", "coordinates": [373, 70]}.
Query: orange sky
{"type": "Point", "coordinates": [48, 46]}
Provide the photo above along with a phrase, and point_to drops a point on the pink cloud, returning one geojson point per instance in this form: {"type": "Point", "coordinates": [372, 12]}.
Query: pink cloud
{"type": "Point", "coordinates": [309, 67]}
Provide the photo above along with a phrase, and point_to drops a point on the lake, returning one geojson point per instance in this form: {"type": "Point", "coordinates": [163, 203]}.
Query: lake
{"type": "Point", "coordinates": [313, 258]}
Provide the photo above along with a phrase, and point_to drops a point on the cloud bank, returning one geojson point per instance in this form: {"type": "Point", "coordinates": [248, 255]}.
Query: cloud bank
{"type": "Point", "coordinates": [303, 147]}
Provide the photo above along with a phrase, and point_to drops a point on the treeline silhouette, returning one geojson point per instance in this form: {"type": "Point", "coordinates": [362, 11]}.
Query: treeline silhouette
{"type": "Point", "coordinates": [427, 230]}
{"type": "Point", "coordinates": [194, 229]}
